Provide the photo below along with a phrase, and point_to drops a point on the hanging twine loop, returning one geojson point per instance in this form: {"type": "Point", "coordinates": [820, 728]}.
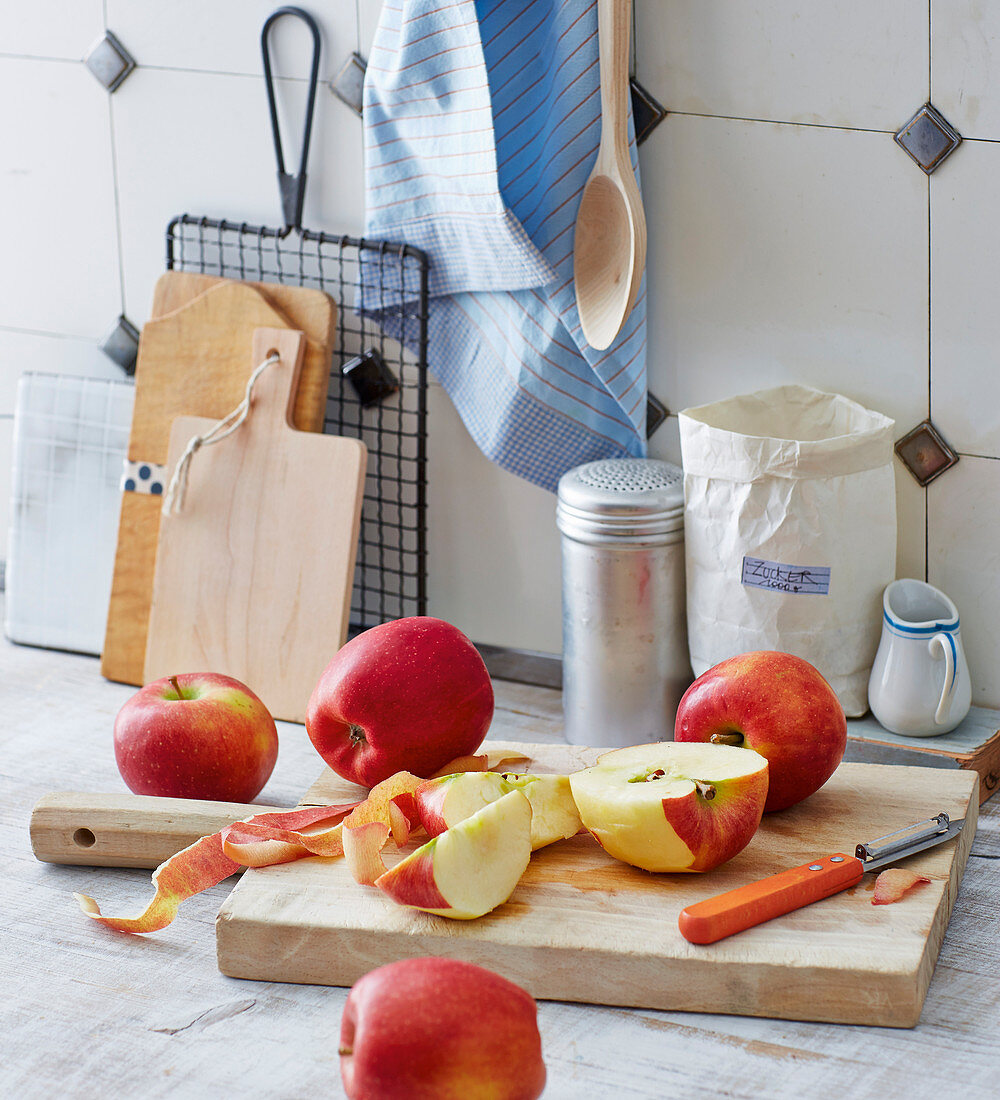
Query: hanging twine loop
{"type": "Point", "coordinates": [173, 500]}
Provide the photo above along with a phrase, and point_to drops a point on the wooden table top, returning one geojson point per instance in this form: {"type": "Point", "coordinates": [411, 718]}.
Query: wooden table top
{"type": "Point", "coordinates": [89, 1013]}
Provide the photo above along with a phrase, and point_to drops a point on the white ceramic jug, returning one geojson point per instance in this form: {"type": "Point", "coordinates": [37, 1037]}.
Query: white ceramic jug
{"type": "Point", "coordinates": [919, 684]}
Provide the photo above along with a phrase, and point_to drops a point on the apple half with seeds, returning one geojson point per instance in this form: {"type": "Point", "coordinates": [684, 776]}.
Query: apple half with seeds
{"type": "Point", "coordinates": [672, 806]}
{"type": "Point", "coordinates": [470, 868]}
{"type": "Point", "coordinates": [449, 799]}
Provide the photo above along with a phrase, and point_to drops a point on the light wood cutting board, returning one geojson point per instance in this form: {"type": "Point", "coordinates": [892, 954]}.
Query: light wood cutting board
{"type": "Point", "coordinates": [194, 360]}
{"type": "Point", "coordinates": [253, 576]}
{"type": "Point", "coordinates": [583, 927]}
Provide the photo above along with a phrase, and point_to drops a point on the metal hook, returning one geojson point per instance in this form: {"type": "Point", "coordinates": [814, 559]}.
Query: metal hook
{"type": "Point", "coordinates": [292, 188]}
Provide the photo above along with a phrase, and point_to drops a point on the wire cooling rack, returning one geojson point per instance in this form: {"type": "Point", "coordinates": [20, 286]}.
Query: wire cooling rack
{"type": "Point", "coordinates": [381, 325]}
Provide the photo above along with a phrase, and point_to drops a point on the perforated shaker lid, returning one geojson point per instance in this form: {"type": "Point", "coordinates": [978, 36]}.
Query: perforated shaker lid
{"type": "Point", "coordinates": [626, 498]}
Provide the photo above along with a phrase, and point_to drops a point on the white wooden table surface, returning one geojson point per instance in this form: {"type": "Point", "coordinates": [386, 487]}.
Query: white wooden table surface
{"type": "Point", "coordinates": [89, 1013]}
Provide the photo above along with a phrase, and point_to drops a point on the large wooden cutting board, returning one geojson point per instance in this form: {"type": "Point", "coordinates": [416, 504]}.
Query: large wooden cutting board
{"type": "Point", "coordinates": [194, 360]}
{"type": "Point", "coordinates": [583, 927]}
{"type": "Point", "coordinates": [253, 575]}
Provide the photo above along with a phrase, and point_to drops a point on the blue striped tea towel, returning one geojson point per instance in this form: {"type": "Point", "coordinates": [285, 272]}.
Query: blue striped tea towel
{"type": "Point", "coordinates": [482, 122]}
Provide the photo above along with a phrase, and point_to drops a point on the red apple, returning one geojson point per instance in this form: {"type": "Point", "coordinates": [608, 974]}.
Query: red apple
{"type": "Point", "coordinates": [440, 1029]}
{"type": "Point", "coordinates": [671, 807]}
{"type": "Point", "coordinates": [196, 735]}
{"type": "Point", "coordinates": [780, 706]}
{"type": "Point", "coordinates": [409, 695]}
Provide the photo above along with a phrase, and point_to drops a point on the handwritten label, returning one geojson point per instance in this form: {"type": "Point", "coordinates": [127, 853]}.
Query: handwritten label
{"type": "Point", "coordinates": [798, 580]}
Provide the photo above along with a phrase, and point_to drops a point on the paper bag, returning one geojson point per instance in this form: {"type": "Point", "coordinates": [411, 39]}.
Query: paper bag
{"type": "Point", "coordinates": [790, 531]}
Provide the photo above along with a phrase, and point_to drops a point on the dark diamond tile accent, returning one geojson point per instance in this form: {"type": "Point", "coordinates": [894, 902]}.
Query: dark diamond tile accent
{"type": "Point", "coordinates": [656, 413]}
{"type": "Point", "coordinates": [647, 113]}
{"type": "Point", "coordinates": [109, 61]}
{"type": "Point", "coordinates": [348, 85]}
{"type": "Point", "coordinates": [121, 345]}
{"type": "Point", "coordinates": [928, 138]}
{"type": "Point", "coordinates": [925, 453]}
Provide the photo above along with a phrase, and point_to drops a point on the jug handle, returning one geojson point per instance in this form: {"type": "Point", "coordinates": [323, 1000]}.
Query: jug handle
{"type": "Point", "coordinates": [950, 659]}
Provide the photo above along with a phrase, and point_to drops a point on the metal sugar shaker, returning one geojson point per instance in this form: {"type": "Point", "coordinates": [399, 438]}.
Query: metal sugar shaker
{"type": "Point", "coordinates": [625, 652]}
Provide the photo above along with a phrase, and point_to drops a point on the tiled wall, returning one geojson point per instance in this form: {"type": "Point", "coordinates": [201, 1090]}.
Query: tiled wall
{"type": "Point", "coordinates": [790, 240]}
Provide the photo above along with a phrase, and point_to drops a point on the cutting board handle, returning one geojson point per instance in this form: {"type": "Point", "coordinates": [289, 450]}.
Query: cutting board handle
{"type": "Point", "coordinates": [281, 380]}
{"type": "Point", "coordinates": [125, 830]}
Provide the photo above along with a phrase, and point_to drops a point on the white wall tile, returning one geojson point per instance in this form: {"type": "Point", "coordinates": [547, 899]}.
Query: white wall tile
{"type": "Point", "coordinates": [911, 524]}
{"type": "Point", "coordinates": [965, 322]}
{"type": "Point", "coordinates": [493, 547]}
{"type": "Point", "coordinates": [785, 254]}
{"type": "Point", "coordinates": [200, 143]}
{"type": "Point", "coordinates": [368, 16]}
{"type": "Point", "coordinates": [965, 48]}
{"type": "Point", "coordinates": [852, 63]}
{"type": "Point", "coordinates": [223, 36]}
{"type": "Point", "coordinates": [50, 28]}
{"type": "Point", "coordinates": [60, 268]}
{"type": "Point", "coordinates": [964, 561]}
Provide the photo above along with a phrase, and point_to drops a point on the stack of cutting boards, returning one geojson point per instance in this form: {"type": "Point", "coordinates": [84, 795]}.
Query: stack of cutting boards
{"type": "Point", "coordinates": [260, 557]}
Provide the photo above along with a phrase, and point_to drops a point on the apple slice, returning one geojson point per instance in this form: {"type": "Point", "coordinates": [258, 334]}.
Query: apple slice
{"type": "Point", "coordinates": [444, 802]}
{"type": "Point", "coordinates": [469, 869]}
{"type": "Point", "coordinates": [673, 806]}
{"type": "Point", "coordinates": [554, 815]}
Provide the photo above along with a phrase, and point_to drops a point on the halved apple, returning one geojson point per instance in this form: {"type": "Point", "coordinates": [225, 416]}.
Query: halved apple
{"type": "Point", "coordinates": [672, 806]}
{"type": "Point", "coordinates": [444, 802]}
{"type": "Point", "coordinates": [470, 868]}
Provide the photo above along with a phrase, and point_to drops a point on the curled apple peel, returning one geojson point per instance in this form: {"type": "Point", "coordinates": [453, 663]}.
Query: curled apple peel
{"type": "Point", "coordinates": [891, 885]}
{"type": "Point", "coordinates": [201, 865]}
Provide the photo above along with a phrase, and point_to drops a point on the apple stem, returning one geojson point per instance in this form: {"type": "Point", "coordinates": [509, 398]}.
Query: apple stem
{"type": "Point", "coordinates": [733, 738]}
{"type": "Point", "coordinates": [177, 687]}
{"type": "Point", "coordinates": [345, 1052]}
{"type": "Point", "coordinates": [706, 790]}
{"type": "Point", "coordinates": [357, 735]}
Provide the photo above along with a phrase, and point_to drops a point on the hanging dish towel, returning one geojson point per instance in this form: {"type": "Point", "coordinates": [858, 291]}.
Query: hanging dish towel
{"type": "Point", "coordinates": [482, 122]}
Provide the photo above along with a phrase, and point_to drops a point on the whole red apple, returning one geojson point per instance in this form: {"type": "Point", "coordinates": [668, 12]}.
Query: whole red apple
{"type": "Point", "coordinates": [408, 695]}
{"type": "Point", "coordinates": [780, 706]}
{"type": "Point", "coordinates": [440, 1029]}
{"type": "Point", "coordinates": [196, 735]}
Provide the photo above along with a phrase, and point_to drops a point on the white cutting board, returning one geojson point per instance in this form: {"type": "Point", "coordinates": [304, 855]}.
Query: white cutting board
{"type": "Point", "coordinates": [70, 438]}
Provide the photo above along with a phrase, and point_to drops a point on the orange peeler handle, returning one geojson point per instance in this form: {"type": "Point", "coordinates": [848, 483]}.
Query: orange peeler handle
{"type": "Point", "coordinates": [715, 918]}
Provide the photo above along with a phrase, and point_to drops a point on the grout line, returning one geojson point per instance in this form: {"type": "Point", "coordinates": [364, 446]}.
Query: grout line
{"type": "Point", "coordinates": [927, 497]}
{"type": "Point", "coordinates": [116, 189]}
{"type": "Point", "coordinates": [783, 122]}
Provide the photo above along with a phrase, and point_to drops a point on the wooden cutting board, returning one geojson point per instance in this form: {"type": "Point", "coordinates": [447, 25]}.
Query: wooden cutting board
{"type": "Point", "coordinates": [304, 308]}
{"type": "Point", "coordinates": [253, 576]}
{"type": "Point", "coordinates": [583, 927]}
{"type": "Point", "coordinates": [194, 360]}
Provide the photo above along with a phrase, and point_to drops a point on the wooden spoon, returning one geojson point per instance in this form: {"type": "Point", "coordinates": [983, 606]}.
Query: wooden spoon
{"type": "Point", "coordinates": [610, 247]}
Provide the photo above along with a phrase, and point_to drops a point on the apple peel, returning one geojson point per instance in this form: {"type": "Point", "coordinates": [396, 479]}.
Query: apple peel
{"type": "Point", "coordinates": [891, 885]}
{"type": "Point", "coordinates": [363, 851]}
{"type": "Point", "coordinates": [201, 865]}
{"type": "Point", "coordinates": [263, 841]}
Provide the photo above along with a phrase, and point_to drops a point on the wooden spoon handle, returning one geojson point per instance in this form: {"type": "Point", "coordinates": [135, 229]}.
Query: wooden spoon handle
{"type": "Point", "coordinates": [614, 23]}
{"type": "Point", "coordinates": [125, 830]}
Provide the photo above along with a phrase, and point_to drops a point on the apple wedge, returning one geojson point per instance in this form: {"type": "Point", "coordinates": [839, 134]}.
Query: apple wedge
{"type": "Point", "coordinates": [442, 803]}
{"type": "Point", "coordinates": [470, 868]}
{"type": "Point", "coordinates": [673, 806]}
